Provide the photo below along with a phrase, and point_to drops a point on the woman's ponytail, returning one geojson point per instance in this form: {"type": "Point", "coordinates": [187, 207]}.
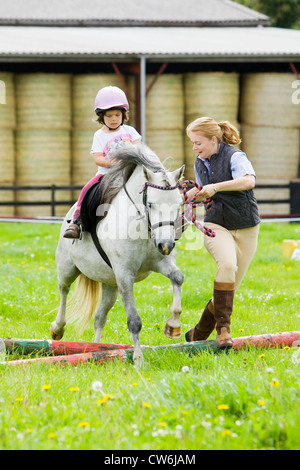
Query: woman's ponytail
{"type": "Point", "coordinates": [230, 134]}
{"type": "Point", "coordinates": [224, 131]}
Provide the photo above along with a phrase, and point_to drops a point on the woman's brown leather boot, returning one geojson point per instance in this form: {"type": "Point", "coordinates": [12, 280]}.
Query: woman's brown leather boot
{"type": "Point", "coordinates": [205, 326]}
{"type": "Point", "coordinates": [223, 305]}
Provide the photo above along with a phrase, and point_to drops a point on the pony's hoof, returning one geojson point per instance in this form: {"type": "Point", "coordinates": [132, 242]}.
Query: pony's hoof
{"type": "Point", "coordinates": [138, 360]}
{"type": "Point", "coordinates": [56, 336]}
{"type": "Point", "coordinates": [172, 332]}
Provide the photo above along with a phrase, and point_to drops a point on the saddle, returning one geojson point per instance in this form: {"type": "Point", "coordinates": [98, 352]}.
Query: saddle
{"type": "Point", "coordinates": [89, 216]}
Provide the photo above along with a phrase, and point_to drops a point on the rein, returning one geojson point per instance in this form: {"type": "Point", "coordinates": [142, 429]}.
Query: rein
{"type": "Point", "coordinates": [148, 224]}
{"type": "Point", "coordinates": [190, 204]}
{"type": "Point", "coordinates": [164, 188]}
{"type": "Point", "coordinates": [187, 213]}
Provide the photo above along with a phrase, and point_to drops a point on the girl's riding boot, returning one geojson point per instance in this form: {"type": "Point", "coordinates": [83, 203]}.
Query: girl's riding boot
{"type": "Point", "coordinates": [74, 230]}
{"type": "Point", "coordinates": [223, 304]}
{"type": "Point", "coordinates": [205, 326]}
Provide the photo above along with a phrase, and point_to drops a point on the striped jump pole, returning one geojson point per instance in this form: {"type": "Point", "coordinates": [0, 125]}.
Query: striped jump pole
{"type": "Point", "coordinates": [275, 340]}
{"type": "Point", "coordinates": [125, 352]}
{"type": "Point", "coordinates": [56, 348]}
{"type": "Point", "coordinates": [75, 359]}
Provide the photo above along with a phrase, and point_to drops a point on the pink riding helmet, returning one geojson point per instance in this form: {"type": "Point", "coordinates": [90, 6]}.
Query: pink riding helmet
{"type": "Point", "coordinates": [111, 97]}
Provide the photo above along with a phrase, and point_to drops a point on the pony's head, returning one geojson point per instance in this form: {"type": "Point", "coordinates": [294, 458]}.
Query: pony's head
{"type": "Point", "coordinates": [162, 200]}
{"type": "Point", "coordinates": [159, 188]}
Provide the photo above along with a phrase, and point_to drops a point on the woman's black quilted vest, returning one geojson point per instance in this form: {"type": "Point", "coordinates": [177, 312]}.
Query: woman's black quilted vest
{"type": "Point", "coordinates": [231, 209]}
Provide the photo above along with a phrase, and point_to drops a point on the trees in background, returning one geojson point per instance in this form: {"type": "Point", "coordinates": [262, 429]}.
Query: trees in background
{"type": "Point", "coordinates": [283, 13]}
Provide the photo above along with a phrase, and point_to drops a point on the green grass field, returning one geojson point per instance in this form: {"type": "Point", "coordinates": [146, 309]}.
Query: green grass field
{"type": "Point", "coordinates": [236, 400]}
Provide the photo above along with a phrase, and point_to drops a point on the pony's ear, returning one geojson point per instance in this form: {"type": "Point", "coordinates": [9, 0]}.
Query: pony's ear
{"type": "Point", "coordinates": [148, 174]}
{"type": "Point", "coordinates": [178, 174]}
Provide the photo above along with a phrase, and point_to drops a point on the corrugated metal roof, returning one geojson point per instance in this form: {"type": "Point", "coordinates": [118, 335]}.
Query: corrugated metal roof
{"type": "Point", "coordinates": [129, 12]}
{"type": "Point", "coordinates": [180, 43]}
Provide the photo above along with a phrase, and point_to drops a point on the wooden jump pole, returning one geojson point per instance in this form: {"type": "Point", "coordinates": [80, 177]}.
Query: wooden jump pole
{"type": "Point", "coordinates": [56, 348]}
{"type": "Point", "coordinates": [125, 352]}
{"type": "Point", "coordinates": [75, 359]}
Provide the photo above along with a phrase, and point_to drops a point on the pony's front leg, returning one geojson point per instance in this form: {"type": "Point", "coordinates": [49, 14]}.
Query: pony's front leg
{"type": "Point", "coordinates": [134, 322]}
{"type": "Point", "coordinates": [168, 268]}
{"type": "Point", "coordinates": [173, 325]}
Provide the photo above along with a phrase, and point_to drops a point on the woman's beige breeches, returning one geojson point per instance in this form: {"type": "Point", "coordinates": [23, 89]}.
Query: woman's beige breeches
{"type": "Point", "coordinates": [232, 250]}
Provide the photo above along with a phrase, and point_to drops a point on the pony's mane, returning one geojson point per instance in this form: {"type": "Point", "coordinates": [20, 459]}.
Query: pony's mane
{"type": "Point", "coordinates": [127, 159]}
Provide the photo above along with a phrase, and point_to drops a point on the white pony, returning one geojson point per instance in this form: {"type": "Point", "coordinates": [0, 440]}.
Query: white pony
{"type": "Point", "coordinates": [141, 201]}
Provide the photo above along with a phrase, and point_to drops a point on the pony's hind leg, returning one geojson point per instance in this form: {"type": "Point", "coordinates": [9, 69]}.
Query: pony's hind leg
{"type": "Point", "coordinates": [57, 328]}
{"type": "Point", "coordinates": [134, 322]}
{"type": "Point", "coordinates": [109, 296]}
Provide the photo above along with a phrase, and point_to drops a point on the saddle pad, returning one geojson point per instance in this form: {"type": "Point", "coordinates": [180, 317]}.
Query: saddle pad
{"type": "Point", "coordinates": [90, 203]}
{"type": "Point", "coordinates": [89, 217]}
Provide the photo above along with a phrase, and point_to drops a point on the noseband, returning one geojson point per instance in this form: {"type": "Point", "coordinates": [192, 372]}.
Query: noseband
{"type": "Point", "coordinates": [151, 227]}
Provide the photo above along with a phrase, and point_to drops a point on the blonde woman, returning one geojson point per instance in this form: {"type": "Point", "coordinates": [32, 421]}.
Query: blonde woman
{"type": "Point", "coordinates": [226, 175]}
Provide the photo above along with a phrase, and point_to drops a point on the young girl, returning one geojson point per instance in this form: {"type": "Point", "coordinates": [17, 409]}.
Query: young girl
{"type": "Point", "coordinates": [227, 176]}
{"type": "Point", "coordinates": [111, 106]}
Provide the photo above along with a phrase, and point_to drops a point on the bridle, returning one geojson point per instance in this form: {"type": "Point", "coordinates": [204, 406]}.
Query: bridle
{"type": "Point", "coordinates": [146, 216]}
{"type": "Point", "coordinates": [187, 213]}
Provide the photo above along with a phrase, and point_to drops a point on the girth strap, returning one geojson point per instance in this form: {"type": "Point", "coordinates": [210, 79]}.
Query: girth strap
{"type": "Point", "coordinates": [99, 247]}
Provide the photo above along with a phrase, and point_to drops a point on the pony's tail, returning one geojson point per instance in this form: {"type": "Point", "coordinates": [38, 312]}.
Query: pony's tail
{"type": "Point", "coordinates": [84, 301]}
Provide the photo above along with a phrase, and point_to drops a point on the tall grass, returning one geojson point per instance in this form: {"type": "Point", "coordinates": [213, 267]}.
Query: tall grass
{"type": "Point", "coordinates": [237, 400]}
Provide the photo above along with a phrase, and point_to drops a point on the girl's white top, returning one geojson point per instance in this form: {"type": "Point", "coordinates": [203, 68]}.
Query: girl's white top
{"type": "Point", "coordinates": [108, 142]}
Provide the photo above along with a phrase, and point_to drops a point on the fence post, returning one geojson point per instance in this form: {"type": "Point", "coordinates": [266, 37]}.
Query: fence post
{"type": "Point", "coordinates": [2, 92]}
{"type": "Point", "coordinates": [53, 187]}
{"type": "Point", "coordinates": [295, 197]}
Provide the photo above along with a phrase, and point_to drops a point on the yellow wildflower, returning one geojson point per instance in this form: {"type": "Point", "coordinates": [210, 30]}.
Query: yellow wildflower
{"type": "Point", "coordinates": [104, 399]}
{"type": "Point", "coordinates": [146, 405]}
{"type": "Point", "coordinates": [84, 424]}
{"type": "Point", "coordinates": [274, 383]}
{"type": "Point", "coordinates": [74, 389]}
{"type": "Point", "coordinates": [226, 433]}
{"type": "Point", "coordinates": [223, 407]}
{"type": "Point", "coordinates": [46, 387]}
{"type": "Point", "coordinates": [261, 402]}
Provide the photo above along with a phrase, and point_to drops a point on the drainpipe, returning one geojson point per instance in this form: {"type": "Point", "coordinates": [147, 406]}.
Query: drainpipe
{"type": "Point", "coordinates": [143, 97]}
